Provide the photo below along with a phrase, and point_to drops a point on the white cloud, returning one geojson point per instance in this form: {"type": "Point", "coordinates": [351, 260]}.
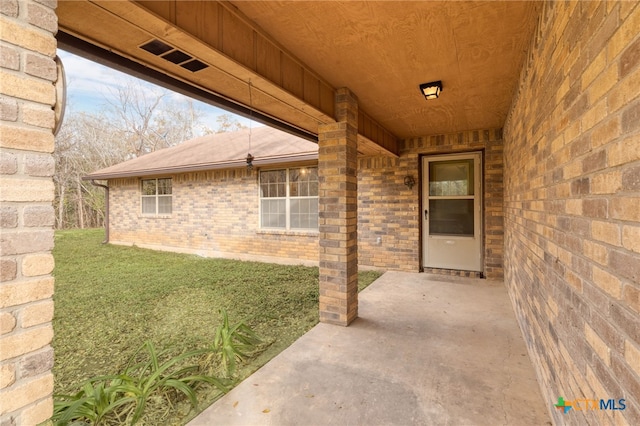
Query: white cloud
{"type": "Point", "coordinates": [88, 84]}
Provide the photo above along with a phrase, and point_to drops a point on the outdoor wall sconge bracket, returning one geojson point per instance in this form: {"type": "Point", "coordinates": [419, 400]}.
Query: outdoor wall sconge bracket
{"type": "Point", "coordinates": [61, 96]}
{"type": "Point", "coordinates": [409, 181]}
{"type": "Point", "coordinates": [431, 90]}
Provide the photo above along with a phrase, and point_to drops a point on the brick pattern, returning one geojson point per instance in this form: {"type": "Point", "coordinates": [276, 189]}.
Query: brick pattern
{"type": "Point", "coordinates": [337, 213]}
{"type": "Point", "coordinates": [389, 210]}
{"type": "Point", "coordinates": [27, 70]}
{"type": "Point", "coordinates": [572, 204]}
{"type": "Point", "coordinates": [215, 213]}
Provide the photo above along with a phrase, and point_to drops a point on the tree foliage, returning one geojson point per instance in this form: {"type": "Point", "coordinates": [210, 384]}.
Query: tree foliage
{"type": "Point", "coordinates": [136, 120]}
{"type": "Point", "coordinates": [226, 123]}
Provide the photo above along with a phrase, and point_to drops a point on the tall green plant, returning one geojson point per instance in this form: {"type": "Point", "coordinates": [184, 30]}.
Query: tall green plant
{"type": "Point", "coordinates": [153, 377]}
{"type": "Point", "coordinates": [124, 397]}
{"type": "Point", "coordinates": [99, 399]}
{"type": "Point", "coordinates": [231, 344]}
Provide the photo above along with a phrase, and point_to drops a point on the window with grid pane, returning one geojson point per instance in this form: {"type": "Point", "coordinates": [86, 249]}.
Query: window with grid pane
{"type": "Point", "coordinates": [289, 198]}
{"type": "Point", "coordinates": [156, 196]}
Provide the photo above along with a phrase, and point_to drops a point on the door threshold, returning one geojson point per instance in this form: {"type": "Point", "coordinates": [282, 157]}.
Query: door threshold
{"type": "Point", "coordinates": [453, 272]}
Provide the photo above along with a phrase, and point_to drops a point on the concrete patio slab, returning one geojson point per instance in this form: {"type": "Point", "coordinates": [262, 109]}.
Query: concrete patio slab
{"type": "Point", "coordinates": [426, 350]}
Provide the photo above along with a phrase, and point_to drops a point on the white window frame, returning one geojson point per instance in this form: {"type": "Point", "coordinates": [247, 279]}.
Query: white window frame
{"type": "Point", "coordinates": [287, 198]}
{"type": "Point", "coordinates": [155, 196]}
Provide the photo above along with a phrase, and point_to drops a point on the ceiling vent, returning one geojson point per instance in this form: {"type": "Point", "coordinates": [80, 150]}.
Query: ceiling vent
{"type": "Point", "coordinates": [194, 65]}
{"type": "Point", "coordinates": [177, 57]}
{"type": "Point", "coordinates": [156, 47]}
{"type": "Point", "coordinates": [173, 55]}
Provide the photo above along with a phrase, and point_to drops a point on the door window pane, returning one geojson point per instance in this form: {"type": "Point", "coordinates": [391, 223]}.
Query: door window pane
{"type": "Point", "coordinates": [451, 217]}
{"type": "Point", "coordinates": [451, 178]}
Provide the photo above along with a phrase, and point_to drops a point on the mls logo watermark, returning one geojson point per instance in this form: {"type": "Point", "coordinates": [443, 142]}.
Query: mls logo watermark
{"type": "Point", "coordinates": [584, 404]}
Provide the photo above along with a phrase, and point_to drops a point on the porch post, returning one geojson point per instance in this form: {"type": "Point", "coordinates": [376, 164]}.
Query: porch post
{"type": "Point", "coordinates": [27, 94]}
{"type": "Point", "coordinates": [338, 217]}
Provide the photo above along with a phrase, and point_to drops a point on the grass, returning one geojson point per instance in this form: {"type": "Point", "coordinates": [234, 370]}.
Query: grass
{"type": "Point", "coordinates": [110, 299]}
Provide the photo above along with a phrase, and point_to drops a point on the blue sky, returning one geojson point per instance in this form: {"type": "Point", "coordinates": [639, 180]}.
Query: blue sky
{"type": "Point", "coordinates": [90, 84]}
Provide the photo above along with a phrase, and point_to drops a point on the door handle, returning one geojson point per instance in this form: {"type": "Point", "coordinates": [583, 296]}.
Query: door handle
{"type": "Point", "coordinates": [426, 214]}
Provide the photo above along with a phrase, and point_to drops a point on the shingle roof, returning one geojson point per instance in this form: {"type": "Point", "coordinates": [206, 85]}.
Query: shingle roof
{"type": "Point", "coordinates": [217, 151]}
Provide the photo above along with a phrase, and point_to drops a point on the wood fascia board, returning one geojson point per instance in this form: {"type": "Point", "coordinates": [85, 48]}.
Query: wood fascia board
{"type": "Point", "coordinates": [367, 147]}
{"type": "Point", "coordinates": [373, 132]}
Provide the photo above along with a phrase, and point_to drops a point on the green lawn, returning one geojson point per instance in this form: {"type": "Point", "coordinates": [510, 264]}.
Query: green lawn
{"type": "Point", "coordinates": [110, 299]}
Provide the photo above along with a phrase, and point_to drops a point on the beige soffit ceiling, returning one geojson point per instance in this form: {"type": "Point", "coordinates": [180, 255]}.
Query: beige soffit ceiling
{"type": "Point", "coordinates": [381, 50]}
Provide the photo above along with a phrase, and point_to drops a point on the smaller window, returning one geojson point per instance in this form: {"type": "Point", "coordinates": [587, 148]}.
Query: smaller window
{"type": "Point", "coordinates": [156, 196]}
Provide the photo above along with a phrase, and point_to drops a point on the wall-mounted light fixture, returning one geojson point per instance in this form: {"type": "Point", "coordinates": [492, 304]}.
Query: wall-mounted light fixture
{"type": "Point", "coordinates": [431, 90]}
{"type": "Point", "coordinates": [409, 181]}
{"type": "Point", "coordinates": [249, 162]}
{"type": "Point", "coordinates": [61, 96]}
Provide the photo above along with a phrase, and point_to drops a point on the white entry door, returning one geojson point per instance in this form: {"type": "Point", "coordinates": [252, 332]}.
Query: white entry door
{"type": "Point", "coordinates": [452, 237]}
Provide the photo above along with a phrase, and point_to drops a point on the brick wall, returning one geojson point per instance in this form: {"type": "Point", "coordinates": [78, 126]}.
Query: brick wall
{"type": "Point", "coordinates": [27, 70]}
{"type": "Point", "coordinates": [572, 206]}
{"type": "Point", "coordinates": [389, 210]}
{"type": "Point", "coordinates": [214, 214]}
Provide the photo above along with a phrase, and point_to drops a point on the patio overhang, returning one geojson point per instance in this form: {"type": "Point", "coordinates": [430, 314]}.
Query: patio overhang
{"type": "Point", "coordinates": [346, 74]}
{"type": "Point", "coordinates": [294, 55]}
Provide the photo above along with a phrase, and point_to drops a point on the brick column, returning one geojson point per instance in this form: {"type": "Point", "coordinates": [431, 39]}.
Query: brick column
{"type": "Point", "coordinates": [338, 195]}
{"type": "Point", "coordinates": [27, 73]}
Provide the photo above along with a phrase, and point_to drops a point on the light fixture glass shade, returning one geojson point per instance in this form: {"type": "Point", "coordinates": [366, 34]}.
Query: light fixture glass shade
{"type": "Point", "coordinates": [431, 90]}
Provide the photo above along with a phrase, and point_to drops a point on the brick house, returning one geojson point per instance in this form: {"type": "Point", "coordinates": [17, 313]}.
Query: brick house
{"type": "Point", "coordinates": [216, 207]}
{"type": "Point", "coordinates": [212, 204]}
{"type": "Point", "coordinates": [559, 187]}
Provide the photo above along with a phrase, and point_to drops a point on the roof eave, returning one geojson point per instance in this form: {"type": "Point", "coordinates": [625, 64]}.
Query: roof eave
{"type": "Point", "coordinates": [264, 161]}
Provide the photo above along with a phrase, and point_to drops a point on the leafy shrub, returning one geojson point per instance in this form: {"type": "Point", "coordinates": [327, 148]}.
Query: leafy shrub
{"type": "Point", "coordinates": [151, 376]}
{"type": "Point", "coordinates": [154, 377]}
{"type": "Point", "coordinates": [97, 402]}
{"type": "Point", "coordinates": [231, 344]}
